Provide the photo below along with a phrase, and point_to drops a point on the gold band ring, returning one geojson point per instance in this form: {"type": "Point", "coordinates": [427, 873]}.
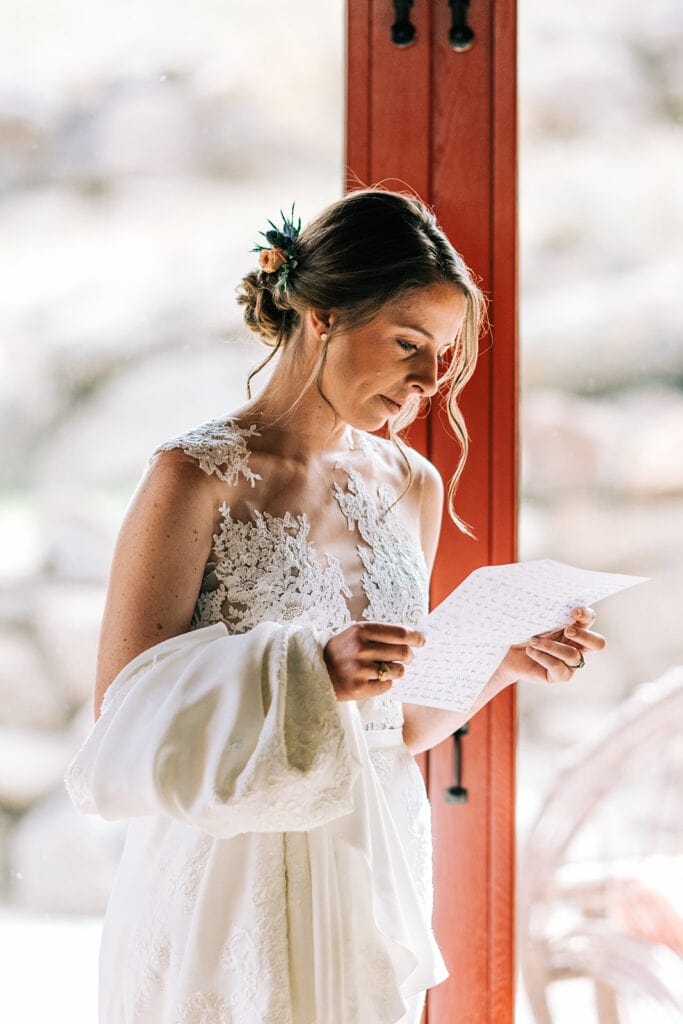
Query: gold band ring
{"type": "Point", "coordinates": [383, 671]}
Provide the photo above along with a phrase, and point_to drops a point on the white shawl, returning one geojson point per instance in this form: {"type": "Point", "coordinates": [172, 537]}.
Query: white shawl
{"type": "Point", "coordinates": [243, 733]}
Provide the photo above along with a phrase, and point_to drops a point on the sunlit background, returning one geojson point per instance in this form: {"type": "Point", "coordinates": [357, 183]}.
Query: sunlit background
{"type": "Point", "coordinates": [142, 149]}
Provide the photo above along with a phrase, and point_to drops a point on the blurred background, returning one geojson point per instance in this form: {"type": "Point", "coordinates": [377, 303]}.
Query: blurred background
{"type": "Point", "coordinates": [142, 148]}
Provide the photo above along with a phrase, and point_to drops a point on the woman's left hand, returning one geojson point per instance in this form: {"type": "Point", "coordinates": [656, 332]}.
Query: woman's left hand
{"type": "Point", "coordinates": [553, 657]}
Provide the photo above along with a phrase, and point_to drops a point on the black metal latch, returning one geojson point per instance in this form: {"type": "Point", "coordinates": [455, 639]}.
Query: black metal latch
{"type": "Point", "coordinates": [457, 794]}
{"type": "Point", "coordinates": [403, 30]}
{"type": "Point", "coordinates": [460, 35]}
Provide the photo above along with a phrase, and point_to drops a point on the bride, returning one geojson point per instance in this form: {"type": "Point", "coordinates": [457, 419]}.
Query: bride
{"type": "Point", "coordinates": [264, 593]}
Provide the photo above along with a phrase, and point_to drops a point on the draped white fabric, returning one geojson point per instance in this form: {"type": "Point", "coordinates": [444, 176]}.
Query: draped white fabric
{"type": "Point", "coordinates": [263, 879]}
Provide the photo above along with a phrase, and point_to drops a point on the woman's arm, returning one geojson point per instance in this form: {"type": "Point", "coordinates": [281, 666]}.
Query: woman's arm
{"type": "Point", "coordinates": [157, 564]}
{"type": "Point", "coordinates": [424, 727]}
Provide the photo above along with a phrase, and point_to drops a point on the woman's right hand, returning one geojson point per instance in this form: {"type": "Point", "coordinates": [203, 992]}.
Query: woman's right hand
{"type": "Point", "coordinates": [352, 657]}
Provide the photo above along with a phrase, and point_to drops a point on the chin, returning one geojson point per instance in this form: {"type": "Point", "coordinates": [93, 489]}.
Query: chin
{"type": "Point", "coordinates": [369, 416]}
{"type": "Point", "coordinates": [370, 421]}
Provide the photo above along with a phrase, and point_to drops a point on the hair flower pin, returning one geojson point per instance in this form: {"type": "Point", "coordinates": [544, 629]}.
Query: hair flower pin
{"type": "Point", "coordinates": [278, 255]}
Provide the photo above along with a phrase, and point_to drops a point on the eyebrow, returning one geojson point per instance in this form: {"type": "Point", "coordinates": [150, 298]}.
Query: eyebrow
{"type": "Point", "coordinates": [415, 327]}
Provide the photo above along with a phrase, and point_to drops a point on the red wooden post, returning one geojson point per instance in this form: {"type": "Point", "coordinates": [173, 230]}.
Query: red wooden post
{"type": "Point", "coordinates": [444, 124]}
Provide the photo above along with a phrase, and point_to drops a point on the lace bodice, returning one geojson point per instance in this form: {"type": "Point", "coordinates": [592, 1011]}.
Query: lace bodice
{"type": "Point", "coordinates": [267, 567]}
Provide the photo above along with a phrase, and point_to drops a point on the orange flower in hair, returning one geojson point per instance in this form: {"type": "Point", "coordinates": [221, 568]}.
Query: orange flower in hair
{"type": "Point", "coordinates": [272, 259]}
{"type": "Point", "coordinates": [281, 253]}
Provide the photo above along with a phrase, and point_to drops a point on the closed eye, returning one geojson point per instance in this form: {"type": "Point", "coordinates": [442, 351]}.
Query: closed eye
{"type": "Point", "coordinates": [407, 346]}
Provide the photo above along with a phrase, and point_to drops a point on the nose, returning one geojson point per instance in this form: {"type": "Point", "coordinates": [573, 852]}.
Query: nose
{"type": "Point", "coordinates": [424, 377]}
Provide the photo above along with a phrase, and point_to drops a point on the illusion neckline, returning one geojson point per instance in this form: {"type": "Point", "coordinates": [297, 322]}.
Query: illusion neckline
{"type": "Point", "coordinates": [354, 438]}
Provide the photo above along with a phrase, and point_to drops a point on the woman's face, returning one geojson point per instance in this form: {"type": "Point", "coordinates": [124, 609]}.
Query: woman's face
{"type": "Point", "coordinates": [370, 373]}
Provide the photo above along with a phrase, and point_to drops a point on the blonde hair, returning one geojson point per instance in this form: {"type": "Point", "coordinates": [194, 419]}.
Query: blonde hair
{"type": "Point", "coordinates": [371, 247]}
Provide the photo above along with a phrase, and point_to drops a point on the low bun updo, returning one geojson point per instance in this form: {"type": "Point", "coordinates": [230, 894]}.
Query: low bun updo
{"type": "Point", "coordinates": [266, 311]}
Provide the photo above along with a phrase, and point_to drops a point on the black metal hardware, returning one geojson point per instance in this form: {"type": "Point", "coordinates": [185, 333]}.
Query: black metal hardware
{"type": "Point", "coordinates": [457, 794]}
{"type": "Point", "coordinates": [460, 35]}
{"type": "Point", "coordinates": [403, 31]}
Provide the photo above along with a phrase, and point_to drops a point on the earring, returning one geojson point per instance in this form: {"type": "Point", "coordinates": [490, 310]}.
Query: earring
{"type": "Point", "coordinates": [324, 337]}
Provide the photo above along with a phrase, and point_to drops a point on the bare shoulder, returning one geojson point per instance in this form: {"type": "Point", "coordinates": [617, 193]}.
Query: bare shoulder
{"type": "Point", "coordinates": [173, 464]}
{"type": "Point", "coordinates": [157, 565]}
{"type": "Point", "coordinates": [220, 448]}
{"type": "Point", "coordinates": [428, 478]}
{"type": "Point", "coordinates": [429, 492]}
{"type": "Point", "coordinates": [431, 508]}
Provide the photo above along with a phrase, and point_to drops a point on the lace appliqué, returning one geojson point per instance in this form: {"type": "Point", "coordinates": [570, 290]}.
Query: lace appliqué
{"type": "Point", "coordinates": [397, 769]}
{"type": "Point", "coordinates": [187, 879]}
{"type": "Point", "coordinates": [383, 762]}
{"type": "Point", "coordinates": [267, 569]}
{"type": "Point", "coordinates": [419, 812]}
{"type": "Point", "coordinates": [152, 960]}
{"type": "Point", "coordinates": [204, 1008]}
{"type": "Point", "coordinates": [78, 788]}
{"type": "Point", "coordinates": [395, 577]}
{"type": "Point", "coordinates": [242, 961]}
{"type": "Point", "coordinates": [270, 914]}
{"type": "Point", "coordinates": [381, 712]}
{"type": "Point", "coordinates": [256, 960]}
{"type": "Point", "coordinates": [220, 447]}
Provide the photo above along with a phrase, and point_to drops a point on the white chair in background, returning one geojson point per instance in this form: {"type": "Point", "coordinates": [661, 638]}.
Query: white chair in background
{"type": "Point", "coordinates": [615, 919]}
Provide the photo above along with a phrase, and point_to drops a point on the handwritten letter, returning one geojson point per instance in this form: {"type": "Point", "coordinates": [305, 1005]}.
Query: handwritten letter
{"type": "Point", "coordinates": [469, 633]}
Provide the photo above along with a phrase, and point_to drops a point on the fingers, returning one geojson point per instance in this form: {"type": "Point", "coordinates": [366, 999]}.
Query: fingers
{"type": "Point", "coordinates": [395, 667]}
{"type": "Point", "coordinates": [564, 652]}
{"type": "Point", "coordinates": [588, 640]}
{"type": "Point", "coordinates": [354, 656]}
{"type": "Point", "coordinates": [585, 617]}
{"type": "Point", "coordinates": [557, 670]}
{"type": "Point", "coordinates": [390, 644]}
{"type": "Point", "coordinates": [386, 633]}
{"type": "Point", "coordinates": [375, 651]}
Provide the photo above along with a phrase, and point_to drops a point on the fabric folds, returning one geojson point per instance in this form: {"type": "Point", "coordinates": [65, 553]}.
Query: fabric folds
{"type": "Point", "coordinates": [228, 733]}
{"type": "Point", "coordinates": [241, 735]}
{"type": "Point", "coordinates": [370, 926]}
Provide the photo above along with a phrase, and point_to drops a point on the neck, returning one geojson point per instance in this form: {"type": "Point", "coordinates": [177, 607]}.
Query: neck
{"type": "Point", "coordinates": [291, 411]}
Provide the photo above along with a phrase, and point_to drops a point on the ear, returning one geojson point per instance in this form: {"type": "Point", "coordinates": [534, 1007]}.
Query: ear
{"type": "Point", "coordinates": [320, 319]}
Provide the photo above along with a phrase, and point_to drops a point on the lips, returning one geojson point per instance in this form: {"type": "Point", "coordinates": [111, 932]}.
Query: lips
{"type": "Point", "coordinates": [391, 404]}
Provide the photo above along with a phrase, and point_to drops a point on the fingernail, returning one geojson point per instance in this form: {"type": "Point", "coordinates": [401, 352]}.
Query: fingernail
{"type": "Point", "coordinates": [570, 631]}
{"type": "Point", "coordinates": [578, 612]}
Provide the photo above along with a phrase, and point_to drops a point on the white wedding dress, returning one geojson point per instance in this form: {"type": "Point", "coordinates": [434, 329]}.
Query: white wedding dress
{"type": "Point", "coordinates": [277, 867]}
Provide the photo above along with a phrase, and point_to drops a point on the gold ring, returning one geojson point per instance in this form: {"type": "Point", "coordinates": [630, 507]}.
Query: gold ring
{"type": "Point", "coordinates": [383, 671]}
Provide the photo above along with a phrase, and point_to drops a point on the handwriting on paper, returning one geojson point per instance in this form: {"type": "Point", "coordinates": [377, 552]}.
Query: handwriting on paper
{"type": "Point", "coordinates": [469, 633]}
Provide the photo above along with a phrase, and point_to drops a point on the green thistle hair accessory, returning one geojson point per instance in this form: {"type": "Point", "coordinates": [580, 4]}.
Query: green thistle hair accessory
{"type": "Point", "coordinates": [279, 254]}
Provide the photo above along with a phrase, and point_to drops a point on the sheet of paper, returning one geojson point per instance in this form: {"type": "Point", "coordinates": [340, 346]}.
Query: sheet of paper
{"type": "Point", "coordinates": [494, 607]}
